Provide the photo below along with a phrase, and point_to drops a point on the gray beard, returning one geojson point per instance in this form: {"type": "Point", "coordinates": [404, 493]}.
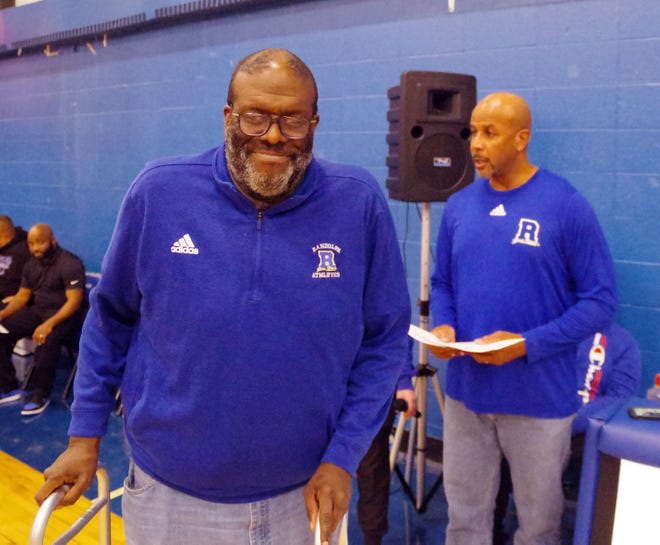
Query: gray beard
{"type": "Point", "coordinates": [265, 188]}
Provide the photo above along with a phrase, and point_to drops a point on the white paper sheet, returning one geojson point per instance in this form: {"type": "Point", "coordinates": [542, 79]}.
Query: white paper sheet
{"type": "Point", "coordinates": [426, 337]}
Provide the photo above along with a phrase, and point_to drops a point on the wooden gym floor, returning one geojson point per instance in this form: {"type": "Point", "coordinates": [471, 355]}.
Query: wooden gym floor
{"type": "Point", "coordinates": [30, 444]}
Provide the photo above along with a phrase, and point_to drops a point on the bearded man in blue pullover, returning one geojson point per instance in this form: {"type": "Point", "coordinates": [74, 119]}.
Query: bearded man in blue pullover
{"type": "Point", "coordinates": [253, 308]}
{"type": "Point", "coordinates": [521, 256]}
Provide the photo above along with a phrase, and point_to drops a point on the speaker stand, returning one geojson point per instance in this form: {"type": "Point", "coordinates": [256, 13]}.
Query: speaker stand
{"type": "Point", "coordinates": [417, 435]}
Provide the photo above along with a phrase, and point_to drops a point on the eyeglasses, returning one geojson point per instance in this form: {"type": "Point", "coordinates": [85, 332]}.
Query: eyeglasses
{"type": "Point", "coordinates": [255, 124]}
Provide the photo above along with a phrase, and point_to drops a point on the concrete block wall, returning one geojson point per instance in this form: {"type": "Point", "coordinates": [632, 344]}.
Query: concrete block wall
{"type": "Point", "coordinates": [77, 127]}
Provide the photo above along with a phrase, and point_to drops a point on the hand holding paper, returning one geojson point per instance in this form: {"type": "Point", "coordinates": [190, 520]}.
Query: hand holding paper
{"type": "Point", "coordinates": [470, 347]}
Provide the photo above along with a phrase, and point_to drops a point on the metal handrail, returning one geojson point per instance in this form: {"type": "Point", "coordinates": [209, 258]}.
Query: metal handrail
{"type": "Point", "coordinates": [101, 502]}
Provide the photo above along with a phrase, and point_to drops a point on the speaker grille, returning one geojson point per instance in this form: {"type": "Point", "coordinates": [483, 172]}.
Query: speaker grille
{"type": "Point", "coordinates": [428, 140]}
{"type": "Point", "coordinates": [440, 162]}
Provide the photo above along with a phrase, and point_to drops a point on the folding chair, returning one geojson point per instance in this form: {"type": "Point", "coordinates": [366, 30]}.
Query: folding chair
{"type": "Point", "coordinates": [68, 388]}
{"type": "Point", "coordinates": [91, 279]}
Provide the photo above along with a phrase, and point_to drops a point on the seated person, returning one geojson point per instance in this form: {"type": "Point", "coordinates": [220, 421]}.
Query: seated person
{"type": "Point", "coordinates": [608, 367]}
{"type": "Point", "coordinates": [50, 307]}
{"type": "Point", "coordinates": [13, 255]}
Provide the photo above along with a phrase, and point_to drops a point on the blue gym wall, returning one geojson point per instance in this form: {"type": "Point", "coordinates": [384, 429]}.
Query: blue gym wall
{"type": "Point", "coordinates": [76, 127]}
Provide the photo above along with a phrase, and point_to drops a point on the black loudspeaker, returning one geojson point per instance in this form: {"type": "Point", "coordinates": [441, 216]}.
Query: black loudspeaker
{"type": "Point", "coordinates": [428, 140]}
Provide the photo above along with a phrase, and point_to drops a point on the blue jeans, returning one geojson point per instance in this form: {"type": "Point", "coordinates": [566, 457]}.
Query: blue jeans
{"type": "Point", "coordinates": [155, 514]}
{"type": "Point", "coordinates": [537, 450]}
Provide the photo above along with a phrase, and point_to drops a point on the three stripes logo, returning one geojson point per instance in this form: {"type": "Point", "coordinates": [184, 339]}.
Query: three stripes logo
{"type": "Point", "coordinates": [184, 245]}
{"type": "Point", "coordinates": [498, 211]}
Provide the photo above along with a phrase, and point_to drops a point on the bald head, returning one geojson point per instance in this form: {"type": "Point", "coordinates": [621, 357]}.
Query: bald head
{"type": "Point", "coordinates": [508, 107]}
{"type": "Point", "coordinates": [40, 230]}
{"type": "Point", "coordinates": [40, 240]}
{"type": "Point", "coordinates": [6, 225]}
{"type": "Point", "coordinates": [7, 231]}
{"type": "Point", "coordinates": [273, 59]}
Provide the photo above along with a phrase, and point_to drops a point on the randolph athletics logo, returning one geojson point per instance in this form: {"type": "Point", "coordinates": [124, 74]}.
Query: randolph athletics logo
{"type": "Point", "coordinates": [528, 232]}
{"type": "Point", "coordinates": [327, 265]}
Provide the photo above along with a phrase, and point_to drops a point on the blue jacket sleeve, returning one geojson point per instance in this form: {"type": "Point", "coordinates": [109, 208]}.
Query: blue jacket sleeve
{"type": "Point", "coordinates": [591, 269]}
{"type": "Point", "coordinates": [384, 349]}
{"type": "Point", "coordinates": [106, 335]}
{"type": "Point", "coordinates": [408, 370]}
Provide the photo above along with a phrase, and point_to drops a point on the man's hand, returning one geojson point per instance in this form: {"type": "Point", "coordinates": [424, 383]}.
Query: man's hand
{"type": "Point", "coordinates": [74, 299]}
{"type": "Point", "coordinates": [75, 466]}
{"type": "Point", "coordinates": [16, 302]}
{"type": "Point", "coordinates": [505, 355]}
{"type": "Point", "coordinates": [410, 398]}
{"type": "Point", "coordinates": [41, 332]}
{"type": "Point", "coordinates": [327, 495]}
{"type": "Point", "coordinates": [447, 334]}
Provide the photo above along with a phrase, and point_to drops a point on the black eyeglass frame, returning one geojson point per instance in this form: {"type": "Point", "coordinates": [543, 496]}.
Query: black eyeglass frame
{"type": "Point", "coordinates": [275, 118]}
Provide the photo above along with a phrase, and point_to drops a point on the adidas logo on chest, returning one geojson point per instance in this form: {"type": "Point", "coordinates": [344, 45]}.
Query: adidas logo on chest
{"type": "Point", "coordinates": [498, 211]}
{"type": "Point", "coordinates": [184, 245]}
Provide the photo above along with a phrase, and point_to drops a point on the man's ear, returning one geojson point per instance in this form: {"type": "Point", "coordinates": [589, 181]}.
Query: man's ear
{"type": "Point", "coordinates": [314, 123]}
{"type": "Point", "coordinates": [226, 111]}
{"type": "Point", "coordinates": [522, 139]}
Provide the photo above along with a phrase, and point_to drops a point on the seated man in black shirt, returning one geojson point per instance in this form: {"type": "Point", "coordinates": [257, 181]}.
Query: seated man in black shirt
{"type": "Point", "coordinates": [13, 255]}
{"type": "Point", "coordinates": [50, 307]}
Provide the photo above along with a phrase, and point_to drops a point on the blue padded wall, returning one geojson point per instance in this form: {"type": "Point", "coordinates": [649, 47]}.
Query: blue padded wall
{"type": "Point", "coordinates": [77, 127]}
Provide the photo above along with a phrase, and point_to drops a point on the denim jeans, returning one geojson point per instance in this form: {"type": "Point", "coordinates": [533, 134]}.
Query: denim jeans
{"type": "Point", "coordinates": [155, 514]}
{"type": "Point", "coordinates": [537, 450]}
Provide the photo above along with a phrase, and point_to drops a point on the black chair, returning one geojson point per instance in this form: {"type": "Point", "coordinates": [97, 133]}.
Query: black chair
{"type": "Point", "coordinates": [91, 279]}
